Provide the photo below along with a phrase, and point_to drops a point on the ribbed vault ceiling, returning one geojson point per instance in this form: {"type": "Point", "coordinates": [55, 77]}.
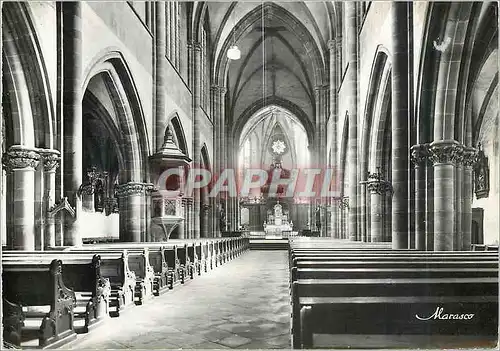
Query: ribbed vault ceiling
{"type": "Point", "coordinates": [283, 51]}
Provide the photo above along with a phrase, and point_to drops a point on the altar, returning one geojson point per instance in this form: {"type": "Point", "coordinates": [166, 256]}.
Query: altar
{"type": "Point", "coordinates": [277, 222]}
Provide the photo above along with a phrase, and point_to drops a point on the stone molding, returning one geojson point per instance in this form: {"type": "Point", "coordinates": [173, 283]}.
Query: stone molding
{"type": "Point", "coordinates": [132, 188]}
{"type": "Point", "coordinates": [51, 159]}
{"type": "Point", "coordinates": [419, 154]}
{"type": "Point", "coordinates": [20, 157]}
{"type": "Point", "coordinates": [446, 152]}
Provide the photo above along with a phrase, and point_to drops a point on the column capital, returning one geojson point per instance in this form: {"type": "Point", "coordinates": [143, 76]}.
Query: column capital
{"type": "Point", "coordinates": [332, 44]}
{"type": "Point", "coordinates": [470, 157]}
{"type": "Point", "coordinates": [419, 153]}
{"type": "Point", "coordinates": [218, 89]}
{"type": "Point", "coordinates": [132, 188]}
{"type": "Point", "coordinates": [20, 157]}
{"type": "Point", "coordinates": [344, 202]}
{"type": "Point", "coordinates": [51, 159]}
{"type": "Point", "coordinates": [196, 46]}
{"type": "Point", "coordinates": [379, 187]}
{"type": "Point", "coordinates": [446, 151]}
{"type": "Point", "coordinates": [320, 90]}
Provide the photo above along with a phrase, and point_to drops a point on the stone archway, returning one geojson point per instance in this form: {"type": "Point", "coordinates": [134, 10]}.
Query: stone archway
{"type": "Point", "coordinates": [27, 127]}
{"type": "Point", "coordinates": [111, 85]}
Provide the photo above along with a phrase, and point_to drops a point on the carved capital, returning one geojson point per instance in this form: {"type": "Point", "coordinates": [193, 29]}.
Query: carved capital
{"type": "Point", "coordinates": [344, 202]}
{"type": "Point", "coordinates": [150, 188]}
{"type": "Point", "coordinates": [318, 89]}
{"type": "Point", "coordinates": [446, 151]}
{"type": "Point", "coordinates": [20, 157]}
{"type": "Point", "coordinates": [379, 187]}
{"type": "Point", "coordinates": [419, 154]}
{"type": "Point", "coordinates": [470, 157]}
{"type": "Point", "coordinates": [218, 89]}
{"type": "Point", "coordinates": [196, 46]}
{"type": "Point", "coordinates": [51, 159]}
{"type": "Point", "coordinates": [129, 189]}
{"type": "Point", "coordinates": [332, 44]}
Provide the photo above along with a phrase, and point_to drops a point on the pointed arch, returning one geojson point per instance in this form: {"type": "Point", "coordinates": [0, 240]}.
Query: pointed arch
{"type": "Point", "coordinates": [180, 136]}
{"type": "Point", "coordinates": [26, 80]}
{"type": "Point", "coordinates": [273, 100]}
{"type": "Point", "coordinates": [117, 77]}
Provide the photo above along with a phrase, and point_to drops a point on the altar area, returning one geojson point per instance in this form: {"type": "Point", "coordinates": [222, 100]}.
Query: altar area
{"type": "Point", "coordinates": [277, 222]}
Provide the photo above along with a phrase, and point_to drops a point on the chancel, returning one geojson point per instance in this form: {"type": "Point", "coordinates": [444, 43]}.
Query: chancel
{"type": "Point", "coordinates": [249, 175]}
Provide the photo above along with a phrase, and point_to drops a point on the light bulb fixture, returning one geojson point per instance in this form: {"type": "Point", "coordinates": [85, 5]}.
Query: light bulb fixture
{"type": "Point", "coordinates": [234, 53]}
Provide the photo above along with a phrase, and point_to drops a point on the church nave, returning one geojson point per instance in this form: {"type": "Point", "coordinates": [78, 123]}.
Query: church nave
{"type": "Point", "coordinates": [242, 304]}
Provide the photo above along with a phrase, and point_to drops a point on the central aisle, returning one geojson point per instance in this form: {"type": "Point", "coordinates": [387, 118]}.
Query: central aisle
{"type": "Point", "coordinates": [242, 304]}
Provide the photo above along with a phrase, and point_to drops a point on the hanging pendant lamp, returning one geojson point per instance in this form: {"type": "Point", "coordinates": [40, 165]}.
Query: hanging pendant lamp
{"type": "Point", "coordinates": [234, 53]}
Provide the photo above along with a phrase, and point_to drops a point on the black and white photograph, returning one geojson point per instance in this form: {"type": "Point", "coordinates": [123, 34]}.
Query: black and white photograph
{"type": "Point", "coordinates": [209, 175]}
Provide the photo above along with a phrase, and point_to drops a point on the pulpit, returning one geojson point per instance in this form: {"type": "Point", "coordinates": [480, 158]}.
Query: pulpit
{"type": "Point", "coordinates": [277, 222]}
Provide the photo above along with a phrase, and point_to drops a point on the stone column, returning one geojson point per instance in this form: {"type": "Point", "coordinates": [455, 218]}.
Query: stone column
{"type": "Point", "coordinates": [400, 124]}
{"type": "Point", "coordinates": [378, 191]}
{"type": "Point", "coordinates": [168, 29]}
{"type": "Point", "coordinates": [351, 80]}
{"type": "Point", "coordinates": [20, 163]}
{"type": "Point", "coordinates": [131, 200]}
{"type": "Point", "coordinates": [459, 201]}
{"type": "Point", "coordinates": [444, 154]}
{"type": "Point", "coordinates": [149, 189]}
{"type": "Point", "coordinates": [51, 159]}
{"type": "Point", "coordinates": [419, 157]}
{"type": "Point", "coordinates": [469, 160]}
{"type": "Point", "coordinates": [334, 62]}
{"type": "Point", "coordinates": [344, 205]}
{"type": "Point", "coordinates": [160, 77]}
{"type": "Point", "coordinates": [72, 115]}
{"type": "Point", "coordinates": [196, 133]}
{"type": "Point", "coordinates": [175, 59]}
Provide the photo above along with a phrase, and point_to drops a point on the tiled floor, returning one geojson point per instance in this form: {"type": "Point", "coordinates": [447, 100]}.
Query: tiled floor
{"type": "Point", "coordinates": [243, 304]}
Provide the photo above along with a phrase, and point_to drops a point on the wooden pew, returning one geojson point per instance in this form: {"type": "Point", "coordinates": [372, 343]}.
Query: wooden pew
{"type": "Point", "coordinates": [393, 272]}
{"type": "Point", "coordinates": [114, 267]}
{"type": "Point", "coordinates": [348, 306]}
{"type": "Point", "coordinates": [82, 274]}
{"type": "Point", "coordinates": [33, 283]}
{"type": "Point", "coordinates": [137, 263]}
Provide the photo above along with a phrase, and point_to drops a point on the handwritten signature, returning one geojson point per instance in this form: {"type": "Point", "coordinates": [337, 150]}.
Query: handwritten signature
{"type": "Point", "coordinates": [439, 314]}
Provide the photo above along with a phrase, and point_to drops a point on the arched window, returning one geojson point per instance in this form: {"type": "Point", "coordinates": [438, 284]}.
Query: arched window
{"type": "Point", "coordinates": [204, 69]}
{"type": "Point", "coordinates": [173, 30]}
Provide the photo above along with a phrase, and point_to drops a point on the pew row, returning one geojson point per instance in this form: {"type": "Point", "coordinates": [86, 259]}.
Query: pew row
{"type": "Point", "coordinates": [402, 306]}
{"type": "Point", "coordinates": [34, 293]}
{"type": "Point", "coordinates": [82, 275]}
{"type": "Point", "coordinates": [111, 269]}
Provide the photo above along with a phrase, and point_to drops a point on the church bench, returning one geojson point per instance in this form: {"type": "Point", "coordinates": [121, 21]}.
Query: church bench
{"type": "Point", "coordinates": [137, 262]}
{"type": "Point", "coordinates": [348, 306]}
{"type": "Point", "coordinates": [319, 256]}
{"type": "Point", "coordinates": [29, 286]}
{"type": "Point", "coordinates": [393, 272]}
{"type": "Point", "coordinates": [306, 263]}
{"type": "Point", "coordinates": [82, 274]}
{"type": "Point", "coordinates": [194, 254]}
{"type": "Point", "coordinates": [482, 247]}
{"type": "Point", "coordinates": [115, 267]}
{"type": "Point", "coordinates": [162, 258]}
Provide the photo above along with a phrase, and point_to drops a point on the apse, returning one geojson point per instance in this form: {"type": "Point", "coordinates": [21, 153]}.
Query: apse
{"type": "Point", "coordinates": [273, 134]}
